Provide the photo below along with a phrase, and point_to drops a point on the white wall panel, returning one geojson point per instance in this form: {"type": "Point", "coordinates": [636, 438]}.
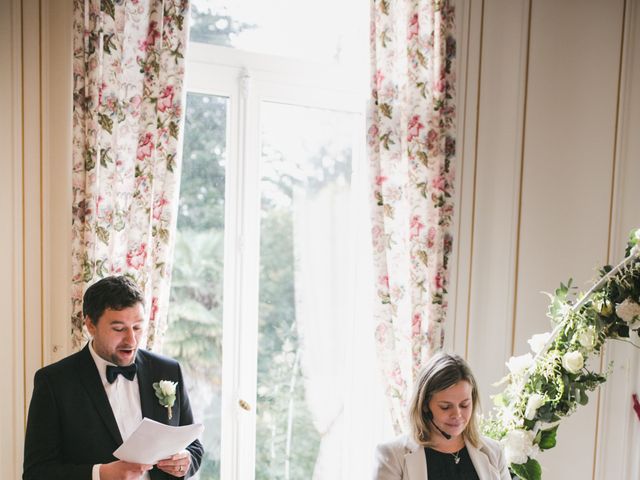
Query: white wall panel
{"type": "Point", "coordinates": [497, 179]}
{"type": "Point", "coordinates": [56, 176]}
{"type": "Point", "coordinates": [11, 417]}
{"type": "Point", "coordinates": [619, 428]}
{"type": "Point", "coordinates": [549, 140]}
{"type": "Point", "coordinates": [32, 184]}
{"type": "Point", "coordinates": [35, 91]}
{"type": "Point", "coordinates": [567, 174]}
{"type": "Point", "coordinates": [469, 30]}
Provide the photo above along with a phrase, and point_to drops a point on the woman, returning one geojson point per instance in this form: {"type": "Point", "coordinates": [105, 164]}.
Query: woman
{"type": "Point", "coordinates": [444, 442]}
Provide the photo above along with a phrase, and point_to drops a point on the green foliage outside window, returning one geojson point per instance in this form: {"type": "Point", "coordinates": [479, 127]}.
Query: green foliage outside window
{"type": "Point", "coordinates": [194, 335]}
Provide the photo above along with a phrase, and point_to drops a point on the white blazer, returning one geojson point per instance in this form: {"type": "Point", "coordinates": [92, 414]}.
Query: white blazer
{"type": "Point", "coordinates": [403, 459]}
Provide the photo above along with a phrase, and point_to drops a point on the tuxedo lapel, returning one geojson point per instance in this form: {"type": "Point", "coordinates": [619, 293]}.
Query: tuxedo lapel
{"type": "Point", "coordinates": [145, 386]}
{"type": "Point", "coordinates": [90, 378]}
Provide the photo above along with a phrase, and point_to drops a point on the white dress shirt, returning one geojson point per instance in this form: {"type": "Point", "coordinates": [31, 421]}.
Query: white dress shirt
{"type": "Point", "coordinates": [124, 398]}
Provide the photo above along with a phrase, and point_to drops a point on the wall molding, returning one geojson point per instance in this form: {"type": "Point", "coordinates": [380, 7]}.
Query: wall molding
{"type": "Point", "coordinates": [509, 131]}
{"type": "Point", "coordinates": [616, 436]}
{"type": "Point", "coordinates": [467, 88]}
{"type": "Point", "coordinates": [490, 190]}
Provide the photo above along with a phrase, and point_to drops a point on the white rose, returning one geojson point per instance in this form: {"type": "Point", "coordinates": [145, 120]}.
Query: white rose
{"type": "Point", "coordinates": [629, 311]}
{"type": "Point", "coordinates": [572, 361]}
{"type": "Point", "coordinates": [538, 341]}
{"type": "Point", "coordinates": [587, 338]}
{"type": "Point", "coordinates": [518, 446]}
{"type": "Point", "coordinates": [518, 365]}
{"type": "Point", "coordinates": [535, 402]}
{"type": "Point", "coordinates": [168, 388]}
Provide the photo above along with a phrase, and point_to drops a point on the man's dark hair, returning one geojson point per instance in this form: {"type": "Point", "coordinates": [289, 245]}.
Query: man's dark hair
{"type": "Point", "coordinates": [115, 293]}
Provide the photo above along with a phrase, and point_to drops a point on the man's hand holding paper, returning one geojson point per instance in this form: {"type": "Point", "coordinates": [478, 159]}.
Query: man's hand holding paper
{"type": "Point", "coordinates": [120, 470]}
{"type": "Point", "coordinates": [153, 442]}
{"type": "Point", "coordinates": [176, 465]}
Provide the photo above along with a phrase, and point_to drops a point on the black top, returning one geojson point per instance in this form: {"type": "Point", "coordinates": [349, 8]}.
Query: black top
{"type": "Point", "coordinates": [443, 466]}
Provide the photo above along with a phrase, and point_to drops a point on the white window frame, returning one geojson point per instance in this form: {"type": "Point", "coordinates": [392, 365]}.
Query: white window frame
{"type": "Point", "coordinates": [247, 79]}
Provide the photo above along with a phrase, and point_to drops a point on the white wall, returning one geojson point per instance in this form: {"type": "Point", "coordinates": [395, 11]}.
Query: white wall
{"type": "Point", "coordinates": [550, 101]}
{"type": "Point", "coordinates": [35, 218]}
{"type": "Point", "coordinates": [11, 411]}
{"type": "Point", "coordinates": [548, 165]}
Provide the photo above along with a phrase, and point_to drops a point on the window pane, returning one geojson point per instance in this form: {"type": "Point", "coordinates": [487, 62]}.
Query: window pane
{"type": "Point", "coordinates": [329, 31]}
{"type": "Point", "coordinates": [305, 282]}
{"type": "Point", "coordinates": [194, 335]}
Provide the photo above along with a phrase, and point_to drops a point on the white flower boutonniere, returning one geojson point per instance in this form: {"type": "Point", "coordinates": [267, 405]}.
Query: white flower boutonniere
{"type": "Point", "coordinates": [166, 393]}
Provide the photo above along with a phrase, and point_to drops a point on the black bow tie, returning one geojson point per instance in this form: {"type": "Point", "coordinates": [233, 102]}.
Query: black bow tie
{"type": "Point", "coordinates": [113, 371]}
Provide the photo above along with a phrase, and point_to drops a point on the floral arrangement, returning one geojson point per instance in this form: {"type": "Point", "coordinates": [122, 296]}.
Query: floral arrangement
{"type": "Point", "coordinates": [549, 383]}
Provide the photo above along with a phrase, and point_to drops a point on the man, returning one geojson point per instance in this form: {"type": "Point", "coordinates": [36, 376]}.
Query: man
{"type": "Point", "coordinates": [85, 405]}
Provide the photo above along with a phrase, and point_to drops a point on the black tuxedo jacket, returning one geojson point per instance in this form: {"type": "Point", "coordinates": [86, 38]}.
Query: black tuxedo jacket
{"type": "Point", "coordinates": [71, 426]}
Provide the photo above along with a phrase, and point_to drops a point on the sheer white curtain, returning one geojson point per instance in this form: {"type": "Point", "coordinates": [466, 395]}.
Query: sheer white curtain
{"type": "Point", "coordinates": [323, 311]}
{"type": "Point", "coordinates": [334, 321]}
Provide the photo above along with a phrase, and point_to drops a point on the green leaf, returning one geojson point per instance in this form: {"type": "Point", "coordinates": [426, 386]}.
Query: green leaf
{"type": "Point", "coordinates": [581, 396]}
{"type": "Point", "coordinates": [386, 140]}
{"type": "Point", "coordinates": [171, 162]}
{"type": "Point", "coordinates": [105, 122]}
{"type": "Point", "coordinates": [108, 7]}
{"type": "Point", "coordinates": [119, 223]}
{"type": "Point", "coordinates": [423, 157]}
{"type": "Point", "coordinates": [108, 45]}
{"type": "Point", "coordinates": [384, 7]}
{"type": "Point", "coordinates": [384, 38]}
{"type": "Point", "coordinates": [102, 234]}
{"type": "Point", "coordinates": [386, 109]}
{"type": "Point", "coordinates": [179, 21]}
{"type": "Point", "coordinates": [548, 438]}
{"type": "Point", "coordinates": [105, 157]}
{"type": "Point", "coordinates": [101, 268]}
{"type": "Point", "coordinates": [173, 129]}
{"type": "Point", "coordinates": [89, 162]}
{"type": "Point", "coordinates": [527, 471]}
{"type": "Point", "coordinates": [87, 269]}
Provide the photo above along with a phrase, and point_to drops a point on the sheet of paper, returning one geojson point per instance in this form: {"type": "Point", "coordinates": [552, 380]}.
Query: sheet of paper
{"type": "Point", "coordinates": [152, 441]}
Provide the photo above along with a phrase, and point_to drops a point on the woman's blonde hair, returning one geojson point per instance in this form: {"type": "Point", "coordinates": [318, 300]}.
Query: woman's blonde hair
{"type": "Point", "coordinates": [442, 371]}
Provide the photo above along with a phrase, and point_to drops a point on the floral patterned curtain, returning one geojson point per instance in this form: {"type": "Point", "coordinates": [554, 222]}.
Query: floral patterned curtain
{"type": "Point", "coordinates": [411, 138]}
{"type": "Point", "coordinates": [128, 71]}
